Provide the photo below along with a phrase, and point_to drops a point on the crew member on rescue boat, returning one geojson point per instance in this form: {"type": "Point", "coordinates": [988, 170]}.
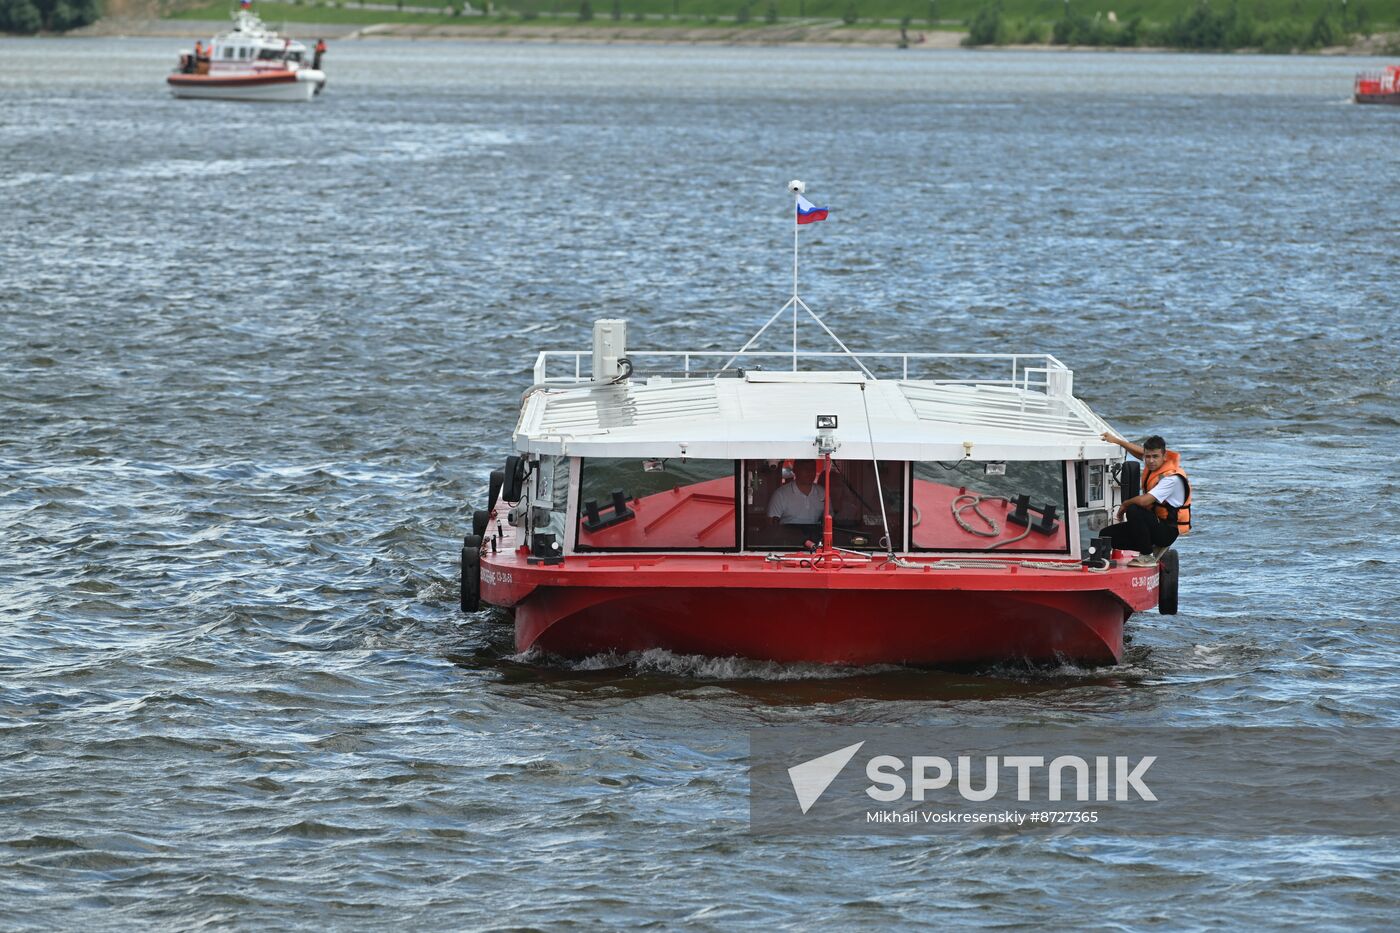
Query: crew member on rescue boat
{"type": "Point", "coordinates": [1151, 522]}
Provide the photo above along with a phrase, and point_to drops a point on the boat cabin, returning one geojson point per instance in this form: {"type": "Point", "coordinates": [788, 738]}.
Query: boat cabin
{"type": "Point", "coordinates": [672, 452]}
{"type": "Point", "coordinates": [251, 45]}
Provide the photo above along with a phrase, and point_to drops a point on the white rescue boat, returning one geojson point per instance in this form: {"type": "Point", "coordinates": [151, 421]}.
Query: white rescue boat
{"type": "Point", "coordinates": [249, 62]}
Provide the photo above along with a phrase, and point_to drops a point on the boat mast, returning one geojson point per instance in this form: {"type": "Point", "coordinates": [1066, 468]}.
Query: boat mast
{"type": "Point", "coordinates": [795, 188]}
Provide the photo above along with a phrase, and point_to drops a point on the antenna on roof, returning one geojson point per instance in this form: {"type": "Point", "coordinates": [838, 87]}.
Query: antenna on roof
{"type": "Point", "coordinates": [805, 213]}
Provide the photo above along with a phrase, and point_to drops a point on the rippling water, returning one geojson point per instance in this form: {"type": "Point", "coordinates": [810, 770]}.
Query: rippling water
{"type": "Point", "coordinates": [258, 361]}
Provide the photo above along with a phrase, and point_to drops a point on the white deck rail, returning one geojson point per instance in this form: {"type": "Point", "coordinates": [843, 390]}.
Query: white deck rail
{"type": "Point", "coordinates": [1039, 372]}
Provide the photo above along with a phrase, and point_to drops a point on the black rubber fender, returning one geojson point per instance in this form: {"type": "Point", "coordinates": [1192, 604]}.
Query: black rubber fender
{"type": "Point", "coordinates": [471, 573]}
{"type": "Point", "coordinates": [1168, 579]}
{"type": "Point", "coordinates": [514, 483]}
{"type": "Point", "coordinates": [480, 519]}
{"type": "Point", "coordinates": [498, 479]}
{"type": "Point", "coordinates": [1130, 479]}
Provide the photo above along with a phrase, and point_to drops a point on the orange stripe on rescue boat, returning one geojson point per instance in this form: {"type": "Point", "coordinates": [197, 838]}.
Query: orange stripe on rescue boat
{"type": "Point", "coordinates": [266, 77]}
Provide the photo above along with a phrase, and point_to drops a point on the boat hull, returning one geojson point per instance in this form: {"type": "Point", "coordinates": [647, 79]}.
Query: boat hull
{"type": "Point", "coordinates": [838, 607]}
{"type": "Point", "coordinates": [277, 87]}
{"type": "Point", "coordinates": [1393, 99]}
{"type": "Point", "coordinates": [940, 627]}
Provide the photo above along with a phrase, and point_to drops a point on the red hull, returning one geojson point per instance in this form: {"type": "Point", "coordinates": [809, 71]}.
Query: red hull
{"type": "Point", "coordinates": [956, 609]}
{"type": "Point", "coordinates": [827, 626]}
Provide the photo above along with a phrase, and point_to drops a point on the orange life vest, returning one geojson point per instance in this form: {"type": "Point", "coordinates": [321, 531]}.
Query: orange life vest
{"type": "Point", "coordinates": [1171, 466]}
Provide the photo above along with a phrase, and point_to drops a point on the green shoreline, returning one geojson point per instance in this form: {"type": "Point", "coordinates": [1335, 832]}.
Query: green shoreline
{"type": "Point", "coordinates": [1196, 25]}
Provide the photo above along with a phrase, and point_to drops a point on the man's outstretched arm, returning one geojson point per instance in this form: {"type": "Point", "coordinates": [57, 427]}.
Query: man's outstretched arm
{"type": "Point", "coordinates": [1129, 446]}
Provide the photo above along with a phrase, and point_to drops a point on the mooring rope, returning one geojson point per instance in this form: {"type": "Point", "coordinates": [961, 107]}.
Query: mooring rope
{"type": "Point", "coordinates": [993, 529]}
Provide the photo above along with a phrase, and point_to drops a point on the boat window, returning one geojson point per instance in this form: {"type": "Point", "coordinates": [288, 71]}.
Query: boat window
{"type": "Point", "coordinates": [968, 506]}
{"type": "Point", "coordinates": [784, 502]}
{"type": "Point", "coordinates": [633, 504]}
{"type": "Point", "coordinates": [228, 53]}
{"type": "Point", "coordinates": [293, 56]}
{"type": "Point", "coordinates": [270, 54]}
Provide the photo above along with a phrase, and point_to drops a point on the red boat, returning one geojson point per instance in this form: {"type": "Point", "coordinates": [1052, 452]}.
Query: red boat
{"type": "Point", "coordinates": [933, 514]}
{"type": "Point", "coordinates": [1379, 87]}
{"type": "Point", "coordinates": [637, 514]}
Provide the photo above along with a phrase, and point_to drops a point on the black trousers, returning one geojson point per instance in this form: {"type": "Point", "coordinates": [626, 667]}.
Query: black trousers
{"type": "Point", "coordinates": [1141, 531]}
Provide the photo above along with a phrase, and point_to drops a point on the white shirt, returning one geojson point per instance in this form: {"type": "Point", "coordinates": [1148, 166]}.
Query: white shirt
{"type": "Point", "coordinates": [789, 504]}
{"type": "Point", "coordinates": [1168, 490]}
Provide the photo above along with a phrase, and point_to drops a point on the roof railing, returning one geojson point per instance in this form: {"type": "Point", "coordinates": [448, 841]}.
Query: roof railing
{"type": "Point", "coordinates": [1032, 372]}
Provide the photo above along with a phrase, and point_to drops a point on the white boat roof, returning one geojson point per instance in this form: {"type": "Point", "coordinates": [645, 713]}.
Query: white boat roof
{"type": "Point", "coordinates": [248, 25]}
{"type": "Point", "coordinates": [772, 415]}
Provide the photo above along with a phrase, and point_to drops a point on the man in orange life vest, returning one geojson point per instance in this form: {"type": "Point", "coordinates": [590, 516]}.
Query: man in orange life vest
{"type": "Point", "coordinates": [1151, 522]}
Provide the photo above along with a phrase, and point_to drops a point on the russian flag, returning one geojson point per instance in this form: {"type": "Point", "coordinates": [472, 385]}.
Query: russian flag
{"type": "Point", "coordinates": [807, 212]}
{"type": "Point", "coordinates": [245, 4]}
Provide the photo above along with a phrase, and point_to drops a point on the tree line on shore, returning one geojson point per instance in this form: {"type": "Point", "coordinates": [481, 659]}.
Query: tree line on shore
{"type": "Point", "coordinates": [27, 17]}
{"type": "Point", "coordinates": [1189, 24]}
{"type": "Point", "coordinates": [1203, 26]}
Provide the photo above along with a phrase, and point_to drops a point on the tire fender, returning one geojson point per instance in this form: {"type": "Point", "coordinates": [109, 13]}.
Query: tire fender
{"type": "Point", "coordinates": [1130, 480]}
{"type": "Point", "coordinates": [471, 573]}
{"type": "Point", "coordinates": [1168, 581]}
{"type": "Point", "coordinates": [514, 483]}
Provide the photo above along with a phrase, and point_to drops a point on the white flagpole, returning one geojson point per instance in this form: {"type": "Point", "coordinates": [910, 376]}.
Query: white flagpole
{"type": "Point", "coordinates": [796, 187]}
{"type": "Point", "coordinates": [795, 302]}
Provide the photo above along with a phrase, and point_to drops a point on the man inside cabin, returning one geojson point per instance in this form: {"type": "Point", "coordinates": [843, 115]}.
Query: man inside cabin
{"type": "Point", "coordinates": [800, 502]}
{"type": "Point", "coordinates": [1149, 523]}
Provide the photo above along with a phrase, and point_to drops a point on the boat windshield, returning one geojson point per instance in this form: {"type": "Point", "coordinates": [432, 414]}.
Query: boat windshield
{"type": "Point", "coordinates": [784, 503]}
{"type": "Point", "coordinates": [675, 504]}
{"type": "Point", "coordinates": [967, 506]}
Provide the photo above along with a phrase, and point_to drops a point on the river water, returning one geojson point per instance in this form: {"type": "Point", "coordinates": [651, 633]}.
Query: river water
{"type": "Point", "coordinates": [257, 362]}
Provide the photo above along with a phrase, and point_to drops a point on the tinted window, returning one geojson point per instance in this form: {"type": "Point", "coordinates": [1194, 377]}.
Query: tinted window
{"type": "Point", "coordinates": [784, 502]}
{"type": "Point", "coordinates": [965, 506]}
{"type": "Point", "coordinates": [668, 504]}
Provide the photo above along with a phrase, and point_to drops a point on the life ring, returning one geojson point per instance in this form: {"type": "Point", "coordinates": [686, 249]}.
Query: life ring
{"type": "Point", "coordinates": [471, 573]}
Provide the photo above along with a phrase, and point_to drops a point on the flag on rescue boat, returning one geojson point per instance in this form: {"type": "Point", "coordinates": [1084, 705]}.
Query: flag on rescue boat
{"type": "Point", "coordinates": [245, 4]}
{"type": "Point", "coordinates": [807, 212]}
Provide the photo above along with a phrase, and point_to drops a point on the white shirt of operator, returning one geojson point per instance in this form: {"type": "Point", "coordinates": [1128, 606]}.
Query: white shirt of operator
{"type": "Point", "coordinates": [793, 507]}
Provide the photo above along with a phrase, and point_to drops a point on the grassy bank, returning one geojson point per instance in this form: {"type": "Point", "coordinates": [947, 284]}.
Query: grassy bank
{"type": "Point", "coordinates": [1268, 25]}
{"type": "Point", "coordinates": [685, 13]}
